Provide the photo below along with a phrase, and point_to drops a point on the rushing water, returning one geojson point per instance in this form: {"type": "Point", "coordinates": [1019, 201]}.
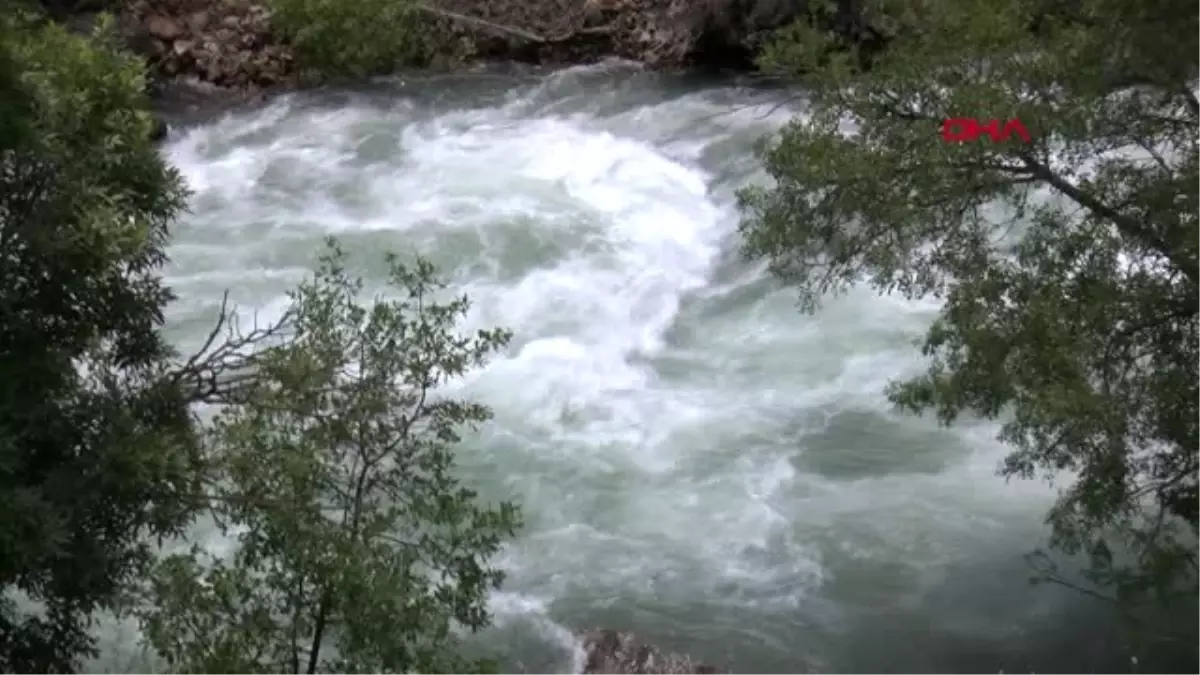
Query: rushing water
{"type": "Point", "coordinates": [698, 462]}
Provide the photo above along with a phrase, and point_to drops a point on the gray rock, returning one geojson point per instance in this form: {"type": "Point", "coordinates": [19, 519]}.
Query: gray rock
{"type": "Point", "coordinates": [612, 651]}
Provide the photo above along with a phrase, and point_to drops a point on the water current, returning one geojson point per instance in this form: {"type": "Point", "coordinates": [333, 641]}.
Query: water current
{"type": "Point", "coordinates": [698, 462]}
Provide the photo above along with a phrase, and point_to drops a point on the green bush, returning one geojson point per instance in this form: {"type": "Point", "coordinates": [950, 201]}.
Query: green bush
{"type": "Point", "coordinates": [334, 38]}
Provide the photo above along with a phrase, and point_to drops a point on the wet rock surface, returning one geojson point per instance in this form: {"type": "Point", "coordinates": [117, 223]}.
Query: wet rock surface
{"type": "Point", "coordinates": [613, 651]}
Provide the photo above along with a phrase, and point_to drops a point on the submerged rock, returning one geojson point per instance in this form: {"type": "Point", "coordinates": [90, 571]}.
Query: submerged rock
{"type": "Point", "coordinates": [612, 651]}
{"type": "Point", "coordinates": [159, 129]}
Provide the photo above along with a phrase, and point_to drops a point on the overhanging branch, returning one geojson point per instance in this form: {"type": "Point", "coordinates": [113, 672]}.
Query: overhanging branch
{"type": "Point", "coordinates": [513, 31]}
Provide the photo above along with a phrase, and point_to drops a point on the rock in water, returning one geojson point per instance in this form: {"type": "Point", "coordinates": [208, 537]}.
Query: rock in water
{"type": "Point", "coordinates": [159, 130]}
{"type": "Point", "coordinates": [612, 651]}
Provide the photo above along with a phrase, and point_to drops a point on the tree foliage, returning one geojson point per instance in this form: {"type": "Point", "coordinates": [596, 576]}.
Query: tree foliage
{"type": "Point", "coordinates": [363, 38]}
{"type": "Point", "coordinates": [1067, 266]}
{"type": "Point", "coordinates": [357, 548]}
{"type": "Point", "coordinates": [93, 442]}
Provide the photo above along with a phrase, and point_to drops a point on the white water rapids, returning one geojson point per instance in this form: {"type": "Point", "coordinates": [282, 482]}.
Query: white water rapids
{"type": "Point", "coordinates": [697, 461]}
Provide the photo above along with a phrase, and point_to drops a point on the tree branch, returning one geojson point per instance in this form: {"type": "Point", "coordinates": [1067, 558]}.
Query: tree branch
{"type": "Point", "coordinates": [1124, 224]}
{"type": "Point", "coordinates": [482, 23]}
{"type": "Point", "coordinates": [513, 31]}
{"type": "Point", "coordinates": [216, 374]}
{"type": "Point", "coordinates": [1190, 96]}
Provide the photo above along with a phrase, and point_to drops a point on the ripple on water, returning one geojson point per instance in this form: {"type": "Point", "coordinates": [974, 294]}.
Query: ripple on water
{"type": "Point", "coordinates": [855, 444]}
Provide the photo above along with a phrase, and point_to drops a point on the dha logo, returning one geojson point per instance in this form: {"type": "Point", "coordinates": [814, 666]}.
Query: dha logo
{"type": "Point", "coordinates": [966, 129]}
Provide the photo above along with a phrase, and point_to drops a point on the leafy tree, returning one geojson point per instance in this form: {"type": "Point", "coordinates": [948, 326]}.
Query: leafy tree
{"type": "Point", "coordinates": [93, 441]}
{"type": "Point", "coordinates": [1080, 334]}
{"type": "Point", "coordinates": [357, 548]}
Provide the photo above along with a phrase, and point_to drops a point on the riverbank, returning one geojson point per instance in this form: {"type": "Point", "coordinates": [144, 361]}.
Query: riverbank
{"type": "Point", "coordinates": [223, 52]}
{"type": "Point", "coordinates": [232, 45]}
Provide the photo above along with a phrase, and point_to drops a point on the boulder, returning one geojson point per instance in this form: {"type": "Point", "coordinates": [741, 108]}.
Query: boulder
{"type": "Point", "coordinates": [164, 28]}
{"type": "Point", "coordinates": [612, 651]}
{"type": "Point", "coordinates": [159, 129]}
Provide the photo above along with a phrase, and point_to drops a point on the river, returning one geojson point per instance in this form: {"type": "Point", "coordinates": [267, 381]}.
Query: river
{"type": "Point", "coordinates": [698, 462]}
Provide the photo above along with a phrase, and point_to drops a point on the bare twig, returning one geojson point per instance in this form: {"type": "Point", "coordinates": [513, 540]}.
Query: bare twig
{"type": "Point", "coordinates": [215, 373]}
{"type": "Point", "coordinates": [482, 23]}
{"type": "Point", "coordinates": [513, 31]}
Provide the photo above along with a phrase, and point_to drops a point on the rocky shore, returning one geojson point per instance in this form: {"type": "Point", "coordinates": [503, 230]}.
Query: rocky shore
{"type": "Point", "coordinates": [229, 44]}
{"type": "Point", "coordinates": [224, 44]}
{"type": "Point", "coordinates": [226, 49]}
